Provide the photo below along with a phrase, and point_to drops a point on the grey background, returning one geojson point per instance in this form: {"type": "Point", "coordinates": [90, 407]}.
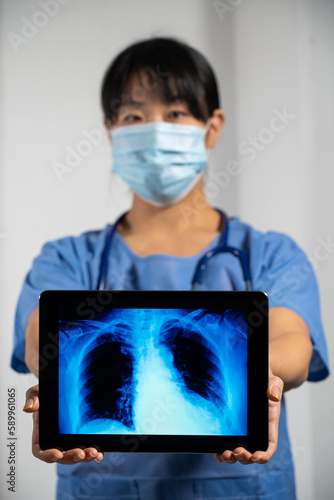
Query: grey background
{"type": "Point", "coordinates": [268, 55]}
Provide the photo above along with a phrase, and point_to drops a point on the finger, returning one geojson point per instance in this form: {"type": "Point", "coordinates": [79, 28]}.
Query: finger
{"type": "Point", "coordinates": [262, 457]}
{"type": "Point", "coordinates": [31, 405]}
{"type": "Point", "coordinates": [275, 388]}
{"type": "Point", "coordinates": [242, 455]}
{"type": "Point", "coordinates": [71, 457]}
{"type": "Point", "coordinates": [32, 391]}
{"type": "Point", "coordinates": [237, 455]}
{"type": "Point", "coordinates": [74, 456]}
{"type": "Point", "coordinates": [48, 456]}
{"type": "Point", "coordinates": [227, 457]}
{"type": "Point", "coordinates": [35, 438]}
{"type": "Point", "coordinates": [93, 454]}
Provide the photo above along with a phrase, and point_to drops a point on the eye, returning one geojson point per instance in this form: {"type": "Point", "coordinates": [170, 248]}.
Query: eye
{"type": "Point", "coordinates": [132, 118]}
{"type": "Point", "coordinates": [176, 114]}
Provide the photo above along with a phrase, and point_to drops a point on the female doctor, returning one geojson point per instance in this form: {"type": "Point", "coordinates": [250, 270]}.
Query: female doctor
{"type": "Point", "coordinates": [162, 113]}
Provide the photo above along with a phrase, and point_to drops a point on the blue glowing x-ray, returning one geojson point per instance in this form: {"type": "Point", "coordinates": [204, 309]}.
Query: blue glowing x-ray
{"type": "Point", "coordinates": [154, 371]}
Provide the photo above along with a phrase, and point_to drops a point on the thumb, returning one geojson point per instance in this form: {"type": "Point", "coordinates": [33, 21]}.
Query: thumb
{"type": "Point", "coordinates": [275, 389]}
{"type": "Point", "coordinates": [32, 401]}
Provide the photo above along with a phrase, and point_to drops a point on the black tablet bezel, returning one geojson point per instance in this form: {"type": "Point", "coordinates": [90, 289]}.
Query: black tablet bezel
{"type": "Point", "coordinates": [256, 303]}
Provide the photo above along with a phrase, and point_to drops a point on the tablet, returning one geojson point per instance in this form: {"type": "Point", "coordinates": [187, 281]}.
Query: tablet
{"type": "Point", "coordinates": [153, 371]}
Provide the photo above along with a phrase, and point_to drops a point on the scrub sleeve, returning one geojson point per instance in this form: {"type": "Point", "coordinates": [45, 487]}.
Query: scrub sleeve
{"type": "Point", "coordinates": [278, 267]}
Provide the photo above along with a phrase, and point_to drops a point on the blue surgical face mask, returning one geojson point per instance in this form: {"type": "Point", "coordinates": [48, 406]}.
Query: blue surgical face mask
{"type": "Point", "coordinates": [160, 161]}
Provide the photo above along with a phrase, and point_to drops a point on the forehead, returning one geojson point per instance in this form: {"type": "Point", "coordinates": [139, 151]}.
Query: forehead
{"type": "Point", "coordinates": [148, 84]}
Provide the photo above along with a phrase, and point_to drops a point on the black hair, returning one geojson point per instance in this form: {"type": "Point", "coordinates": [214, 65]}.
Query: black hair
{"type": "Point", "coordinates": [171, 68]}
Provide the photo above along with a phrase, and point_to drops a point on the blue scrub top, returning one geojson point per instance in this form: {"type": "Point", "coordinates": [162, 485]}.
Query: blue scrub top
{"type": "Point", "coordinates": [278, 267]}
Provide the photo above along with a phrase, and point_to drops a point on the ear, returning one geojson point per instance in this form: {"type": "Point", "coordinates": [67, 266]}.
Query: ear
{"type": "Point", "coordinates": [216, 123]}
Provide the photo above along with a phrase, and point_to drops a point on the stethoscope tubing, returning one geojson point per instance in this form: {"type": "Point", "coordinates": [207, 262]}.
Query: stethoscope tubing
{"type": "Point", "coordinates": [202, 264]}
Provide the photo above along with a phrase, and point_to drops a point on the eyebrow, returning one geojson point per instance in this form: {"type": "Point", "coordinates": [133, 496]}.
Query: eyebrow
{"type": "Point", "coordinates": [138, 104]}
{"type": "Point", "coordinates": [131, 102]}
{"type": "Point", "coordinates": [178, 97]}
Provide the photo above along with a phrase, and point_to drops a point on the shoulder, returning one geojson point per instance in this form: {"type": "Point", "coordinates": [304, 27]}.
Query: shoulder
{"type": "Point", "coordinates": [275, 258]}
{"type": "Point", "coordinates": [254, 240]}
{"type": "Point", "coordinates": [70, 262]}
{"type": "Point", "coordinates": [87, 243]}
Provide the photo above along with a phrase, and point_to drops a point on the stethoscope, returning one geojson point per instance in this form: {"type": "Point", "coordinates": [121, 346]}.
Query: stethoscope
{"type": "Point", "coordinates": [202, 264]}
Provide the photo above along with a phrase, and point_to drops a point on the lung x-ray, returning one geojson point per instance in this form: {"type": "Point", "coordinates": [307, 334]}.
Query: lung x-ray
{"type": "Point", "coordinates": [154, 371]}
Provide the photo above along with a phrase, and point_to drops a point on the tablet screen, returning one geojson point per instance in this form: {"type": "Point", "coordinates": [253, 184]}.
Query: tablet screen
{"type": "Point", "coordinates": [162, 371]}
{"type": "Point", "coordinates": [153, 371]}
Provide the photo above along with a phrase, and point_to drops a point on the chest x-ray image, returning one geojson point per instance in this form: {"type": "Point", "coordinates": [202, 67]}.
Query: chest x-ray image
{"type": "Point", "coordinates": [154, 371]}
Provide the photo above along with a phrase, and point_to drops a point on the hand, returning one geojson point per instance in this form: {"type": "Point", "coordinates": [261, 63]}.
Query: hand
{"type": "Point", "coordinates": [69, 457]}
{"type": "Point", "coordinates": [274, 393]}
